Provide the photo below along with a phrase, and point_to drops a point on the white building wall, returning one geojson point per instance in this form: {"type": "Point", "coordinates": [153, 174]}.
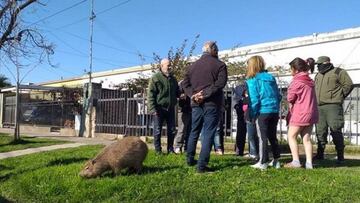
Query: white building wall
{"type": "Point", "coordinates": [111, 81]}
{"type": "Point", "coordinates": [343, 47]}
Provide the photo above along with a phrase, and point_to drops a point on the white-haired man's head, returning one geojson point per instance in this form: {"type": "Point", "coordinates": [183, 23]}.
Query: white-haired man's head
{"type": "Point", "coordinates": [211, 48]}
{"type": "Point", "coordinates": [165, 66]}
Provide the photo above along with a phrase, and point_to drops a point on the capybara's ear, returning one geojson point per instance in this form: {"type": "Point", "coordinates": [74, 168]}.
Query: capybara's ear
{"type": "Point", "coordinates": [93, 161]}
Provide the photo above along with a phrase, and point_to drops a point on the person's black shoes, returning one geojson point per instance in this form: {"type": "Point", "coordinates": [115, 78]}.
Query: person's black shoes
{"type": "Point", "coordinates": [191, 163]}
{"type": "Point", "coordinates": [205, 170]}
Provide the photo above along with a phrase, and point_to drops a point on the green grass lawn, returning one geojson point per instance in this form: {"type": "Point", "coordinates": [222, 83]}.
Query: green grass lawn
{"type": "Point", "coordinates": [53, 177]}
{"type": "Point", "coordinates": [8, 144]}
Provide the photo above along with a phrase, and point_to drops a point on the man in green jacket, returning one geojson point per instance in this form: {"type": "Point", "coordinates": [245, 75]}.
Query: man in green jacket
{"type": "Point", "coordinates": [332, 86]}
{"type": "Point", "coordinates": [162, 98]}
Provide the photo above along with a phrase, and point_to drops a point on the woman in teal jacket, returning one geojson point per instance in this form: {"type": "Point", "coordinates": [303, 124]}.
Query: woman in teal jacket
{"type": "Point", "coordinates": [264, 109]}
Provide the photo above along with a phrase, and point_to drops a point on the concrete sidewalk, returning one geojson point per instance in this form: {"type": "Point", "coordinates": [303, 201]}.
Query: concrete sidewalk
{"type": "Point", "coordinates": [39, 149]}
{"type": "Point", "coordinates": [75, 142]}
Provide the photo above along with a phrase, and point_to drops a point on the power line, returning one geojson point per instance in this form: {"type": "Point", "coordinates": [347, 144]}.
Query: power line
{"type": "Point", "coordinates": [83, 54]}
{"type": "Point", "coordinates": [108, 46]}
{"type": "Point", "coordinates": [102, 60]}
{"type": "Point", "coordinates": [56, 13]}
{"type": "Point", "coordinates": [137, 53]}
{"type": "Point", "coordinates": [99, 13]}
{"type": "Point", "coordinates": [66, 44]}
{"type": "Point", "coordinates": [115, 6]}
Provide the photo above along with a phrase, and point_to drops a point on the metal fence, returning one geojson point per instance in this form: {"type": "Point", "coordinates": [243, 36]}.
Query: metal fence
{"type": "Point", "coordinates": [351, 128]}
{"type": "Point", "coordinates": [54, 109]}
{"type": "Point", "coordinates": [56, 114]}
{"type": "Point", "coordinates": [9, 111]}
{"type": "Point", "coordinates": [111, 111]}
{"type": "Point", "coordinates": [125, 112]}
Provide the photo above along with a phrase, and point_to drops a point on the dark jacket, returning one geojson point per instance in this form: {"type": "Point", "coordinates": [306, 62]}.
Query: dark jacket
{"type": "Point", "coordinates": [184, 103]}
{"type": "Point", "coordinates": [333, 86]}
{"type": "Point", "coordinates": [162, 92]}
{"type": "Point", "coordinates": [208, 74]}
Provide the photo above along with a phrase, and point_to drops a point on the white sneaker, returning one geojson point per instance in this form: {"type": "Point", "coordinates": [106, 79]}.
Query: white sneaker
{"type": "Point", "coordinates": [260, 166]}
{"type": "Point", "coordinates": [275, 163]}
{"type": "Point", "coordinates": [177, 150]}
{"type": "Point", "coordinates": [309, 166]}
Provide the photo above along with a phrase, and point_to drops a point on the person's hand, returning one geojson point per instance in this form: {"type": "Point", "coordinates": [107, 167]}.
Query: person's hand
{"type": "Point", "coordinates": [198, 97]}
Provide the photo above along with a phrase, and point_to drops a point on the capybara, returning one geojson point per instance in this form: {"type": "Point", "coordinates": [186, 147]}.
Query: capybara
{"type": "Point", "coordinates": [128, 152]}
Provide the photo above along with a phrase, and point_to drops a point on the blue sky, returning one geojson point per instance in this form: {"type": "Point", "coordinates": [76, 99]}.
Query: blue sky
{"type": "Point", "coordinates": [124, 28]}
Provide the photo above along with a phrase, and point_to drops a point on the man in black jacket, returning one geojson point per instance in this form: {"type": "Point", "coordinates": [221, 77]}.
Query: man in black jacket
{"type": "Point", "coordinates": [204, 82]}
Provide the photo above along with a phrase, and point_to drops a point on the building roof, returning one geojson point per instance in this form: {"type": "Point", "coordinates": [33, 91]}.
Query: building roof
{"type": "Point", "coordinates": [315, 38]}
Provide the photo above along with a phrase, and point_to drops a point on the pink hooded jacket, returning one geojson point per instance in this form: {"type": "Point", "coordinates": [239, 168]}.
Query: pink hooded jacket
{"type": "Point", "coordinates": [301, 94]}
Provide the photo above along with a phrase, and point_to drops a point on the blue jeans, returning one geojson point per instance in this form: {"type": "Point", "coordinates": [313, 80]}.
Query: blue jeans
{"type": "Point", "coordinates": [169, 117]}
{"type": "Point", "coordinates": [252, 139]}
{"type": "Point", "coordinates": [205, 119]}
{"type": "Point", "coordinates": [219, 135]}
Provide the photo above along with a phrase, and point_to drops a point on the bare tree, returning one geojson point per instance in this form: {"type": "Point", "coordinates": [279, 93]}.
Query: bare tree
{"type": "Point", "coordinates": [16, 39]}
{"type": "Point", "coordinates": [19, 44]}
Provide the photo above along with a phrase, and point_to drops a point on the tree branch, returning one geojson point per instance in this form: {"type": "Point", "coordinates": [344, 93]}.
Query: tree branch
{"type": "Point", "coordinates": [6, 7]}
{"type": "Point", "coordinates": [5, 37]}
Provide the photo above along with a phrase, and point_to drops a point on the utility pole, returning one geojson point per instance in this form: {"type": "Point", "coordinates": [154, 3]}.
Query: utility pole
{"type": "Point", "coordinates": [90, 87]}
{"type": "Point", "coordinates": [92, 17]}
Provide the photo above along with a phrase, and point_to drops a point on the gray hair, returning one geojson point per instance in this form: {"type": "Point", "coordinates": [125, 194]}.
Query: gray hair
{"type": "Point", "coordinates": [207, 46]}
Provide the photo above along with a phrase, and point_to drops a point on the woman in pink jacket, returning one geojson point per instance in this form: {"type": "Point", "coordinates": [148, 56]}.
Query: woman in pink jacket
{"type": "Point", "coordinates": [303, 110]}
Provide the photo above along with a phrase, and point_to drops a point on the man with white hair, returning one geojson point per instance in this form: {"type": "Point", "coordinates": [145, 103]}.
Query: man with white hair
{"type": "Point", "coordinates": [204, 82]}
{"type": "Point", "coordinates": [162, 98]}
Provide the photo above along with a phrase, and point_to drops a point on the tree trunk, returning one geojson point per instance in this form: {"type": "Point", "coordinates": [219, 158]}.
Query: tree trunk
{"type": "Point", "coordinates": [17, 106]}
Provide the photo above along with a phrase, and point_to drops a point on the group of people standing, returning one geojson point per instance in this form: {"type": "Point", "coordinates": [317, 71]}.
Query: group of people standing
{"type": "Point", "coordinates": [257, 103]}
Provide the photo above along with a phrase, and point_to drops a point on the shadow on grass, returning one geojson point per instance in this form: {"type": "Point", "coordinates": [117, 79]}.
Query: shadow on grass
{"type": "Point", "coordinates": [230, 163]}
{"type": "Point", "coordinates": [66, 161]}
{"type": "Point", "coordinates": [145, 170]}
{"type": "Point", "coordinates": [56, 162]}
{"type": "Point", "coordinates": [155, 169]}
{"type": "Point", "coordinates": [4, 200]}
{"type": "Point", "coordinates": [330, 162]}
{"type": "Point", "coordinates": [3, 167]}
{"type": "Point", "coordinates": [21, 142]}
{"type": "Point", "coordinates": [5, 177]}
